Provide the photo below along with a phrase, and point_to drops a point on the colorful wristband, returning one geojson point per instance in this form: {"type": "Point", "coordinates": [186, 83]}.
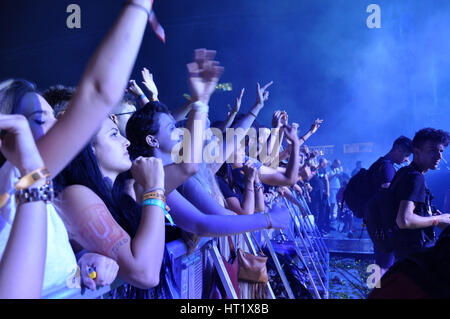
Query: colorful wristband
{"type": "Point", "coordinates": [435, 221]}
{"type": "Point", "coordinates": [154, 195]}
{"type": "Point", "coordinates": [159, 203]}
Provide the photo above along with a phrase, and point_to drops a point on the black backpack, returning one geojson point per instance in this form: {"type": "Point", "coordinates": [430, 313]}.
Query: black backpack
{"type": "Point", "coordinates": [381, 216]}
{"type": "Point", "coordinates": [380, 220]}
{"type": "Point", "coordinates": [360, 189]}
{"type": "Point", "coordinates": [358, 192]}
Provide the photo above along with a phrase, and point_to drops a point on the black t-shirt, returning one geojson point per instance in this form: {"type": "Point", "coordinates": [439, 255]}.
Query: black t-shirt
{"type": "Point", "coordinates": [227, 191]}
{"type": "Point", "coordinates": [409, 184]}
{"type": "Point", "coordinates": [381, 172]}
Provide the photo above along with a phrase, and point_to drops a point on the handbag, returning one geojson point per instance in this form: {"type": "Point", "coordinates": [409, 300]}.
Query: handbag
{"type": "Point", "coordinates": [253, 268]}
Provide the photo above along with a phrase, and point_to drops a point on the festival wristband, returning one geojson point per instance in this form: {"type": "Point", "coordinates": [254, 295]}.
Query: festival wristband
{"type": "Point", "coordinates": [159, 203]}
{"type": "Point", "coordinates": [200, 107]}
{"type": "Point", "coordinates": [435, 221]}
{"type": "Point", "coordinates": [154, 195]}
{"type": "Point", "coordinates": [152, 20]}
{"type": "Point", "coordinates": [31, 178]}
{"type": "Point", "coordinates": [25, 182]}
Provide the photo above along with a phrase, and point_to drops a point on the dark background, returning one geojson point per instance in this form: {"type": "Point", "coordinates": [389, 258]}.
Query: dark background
{"type": "Point", "coordinates": [370, 85]}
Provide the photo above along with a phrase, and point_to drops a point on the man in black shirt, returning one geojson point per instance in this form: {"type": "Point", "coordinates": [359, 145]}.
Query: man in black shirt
{"type": "Point", "coordinates": [411, 197]}
{"type": "Point", "coordinates": [381, 174]}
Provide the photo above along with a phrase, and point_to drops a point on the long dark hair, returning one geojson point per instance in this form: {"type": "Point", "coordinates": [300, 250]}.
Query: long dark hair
{"type": "Point", "coordinates": [84, 170]}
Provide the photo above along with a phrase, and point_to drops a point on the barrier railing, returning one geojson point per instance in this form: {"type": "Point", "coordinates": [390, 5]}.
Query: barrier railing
{"type": "Point", "coordinates": [187, 272]}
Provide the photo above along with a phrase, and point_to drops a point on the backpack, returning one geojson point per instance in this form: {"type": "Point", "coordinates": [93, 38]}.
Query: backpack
{"type": "Point", "coordinates": [360, 189]}
{"type": "Point", "coordinates": [381, 217]}
{"type": "Point", "coordinates": [358, 192]}
{"type": "Point", "coordinates": [380, 220]}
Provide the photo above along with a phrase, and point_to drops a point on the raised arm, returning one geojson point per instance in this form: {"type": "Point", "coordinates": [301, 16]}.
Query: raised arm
{"type": "Point", "coordinates": [245, 123]}
{"type": "Point", "coordinates": [247, 206]}
{"type": "Point", "coordinates": [134, 89]}
{"type": "Point", "coordinates": [100, 89]}
{"type": "Point", "coordinates": [204, 73]}
{"type": "Point", "coordinates": [25, 252]}
{"type": "Point", "coordinates": [260, 205]}
{"type": "Point", "coordinates": [314, 127]}
{"type": "Point", "coordinates": [233, 112]}
{"type": "Point", "coordinates": [272, 176]}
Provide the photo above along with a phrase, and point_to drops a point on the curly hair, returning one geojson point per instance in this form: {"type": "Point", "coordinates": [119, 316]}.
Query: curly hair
{"type": "Point", "coordinates": [142, 123]}
{"type": "Point", "coordinates": [431, 134]}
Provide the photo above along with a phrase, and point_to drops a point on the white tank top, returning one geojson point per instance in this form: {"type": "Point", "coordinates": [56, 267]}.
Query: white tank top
{"type": "Point", "coordinates": [60, 261]}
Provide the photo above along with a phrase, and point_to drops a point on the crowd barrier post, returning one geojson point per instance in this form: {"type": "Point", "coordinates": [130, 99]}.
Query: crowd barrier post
{"type": "Point", "coordinates": [319, 271]}
{"type": "Point", "coordinates": [276, 261]}
{"type": "Point", "coordinates": [304, 213]}
{"type": "Point", "coordinates": [299, 253]}
{"type": "Point", "coordinates": [314, 227]}
{"type": "Point", "coordinates": [220, 267]}
{"type": "Point", "coordinates": [315, 251]}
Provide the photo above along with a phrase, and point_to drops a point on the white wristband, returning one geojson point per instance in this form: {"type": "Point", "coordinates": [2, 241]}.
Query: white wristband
{"type": "Point", "coordinates": [200, 107]}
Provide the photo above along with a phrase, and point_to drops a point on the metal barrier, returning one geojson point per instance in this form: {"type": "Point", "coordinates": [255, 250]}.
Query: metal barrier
{"type": "Point", "coordinates": [187, 272]}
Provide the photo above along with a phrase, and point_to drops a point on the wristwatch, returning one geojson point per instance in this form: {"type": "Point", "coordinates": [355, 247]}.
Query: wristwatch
{"type": "Point", "coordinates": [44, 193]}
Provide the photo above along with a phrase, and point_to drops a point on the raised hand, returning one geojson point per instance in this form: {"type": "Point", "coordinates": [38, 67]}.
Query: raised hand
{"type": "Point", "coordinates": [17, 143]}
{"type": "Point", "coordinates": [149, 83]}
{"type": "Point", "coordinates": [279, 119]}
{"type": "Point", "coordinates": [237, 103]}
{"type": "Point", "coordinates": [284, 118]}
{"type": "Point", "coordinates": [134, 89]}
{"type": "Point", "coordinates": [148, 172]}
{"type": "Point", "coordinates": [204, 74]}
{"type": "Point", "coordinates": [291, 132]}
{"type": "Point", "coordinates": [315, 126]}
{"type": "Point", "coordinates": [250, 171]}
{"type": "Point", "coordinates": [262, 94]}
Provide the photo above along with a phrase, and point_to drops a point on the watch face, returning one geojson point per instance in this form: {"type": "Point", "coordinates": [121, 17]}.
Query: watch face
{"type": "Point", "coordinates": [35, 176]}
